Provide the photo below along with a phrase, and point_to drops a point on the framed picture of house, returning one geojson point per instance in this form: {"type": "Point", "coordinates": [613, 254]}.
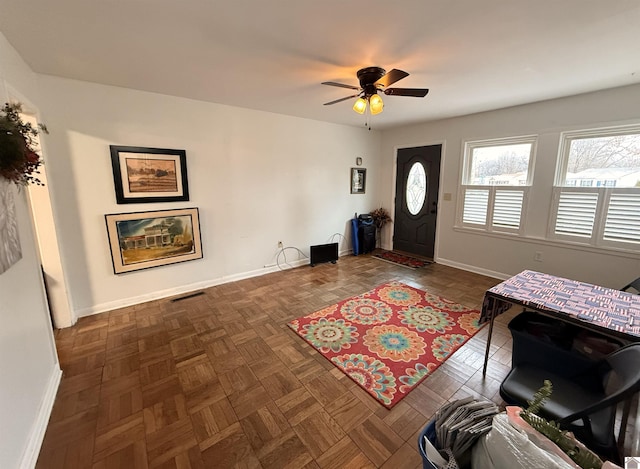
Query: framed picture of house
{"type": "Point", "coordinates": [141, 240]}
{"type": "Point", "coordinates": [143, 175]}
{"type": "Point", "coordinates": [358, 180]}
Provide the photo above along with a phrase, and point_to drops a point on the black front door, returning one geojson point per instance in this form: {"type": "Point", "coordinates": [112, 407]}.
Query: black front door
{"type": "Point", "coordinates": [417, 179]}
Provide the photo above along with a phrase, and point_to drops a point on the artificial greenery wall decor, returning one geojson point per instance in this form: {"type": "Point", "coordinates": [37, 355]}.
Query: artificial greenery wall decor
{"type": "Point", "coordinates": [19, 160]}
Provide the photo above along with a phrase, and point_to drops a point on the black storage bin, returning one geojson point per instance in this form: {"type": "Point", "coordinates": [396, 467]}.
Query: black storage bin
{"type": "Point", "coordinates": [366, 233]}
{"type": "Point", "coordinates": [367, 238]}
{"type": "Point", "coordinates": [546, 343]}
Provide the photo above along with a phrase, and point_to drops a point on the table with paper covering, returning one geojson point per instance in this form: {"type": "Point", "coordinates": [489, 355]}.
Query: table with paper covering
{"type": "Point", "coordinates": [608, 311]}
{"type": "Point", "coordinates": [611, 312]}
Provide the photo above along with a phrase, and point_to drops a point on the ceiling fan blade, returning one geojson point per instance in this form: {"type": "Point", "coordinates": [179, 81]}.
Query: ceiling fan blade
{"type": "Point", "coordinates": [339, 100]}
{"type": "Point", "coordinates": [415, 92]}
{"type": "Point", "coordinates": [341, 85]}
{"type": "Point", "coordinates": [391, 77]}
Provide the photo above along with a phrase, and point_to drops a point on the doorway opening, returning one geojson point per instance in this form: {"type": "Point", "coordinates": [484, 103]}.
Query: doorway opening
{"type": "Point", "coordinates": [39, 199]}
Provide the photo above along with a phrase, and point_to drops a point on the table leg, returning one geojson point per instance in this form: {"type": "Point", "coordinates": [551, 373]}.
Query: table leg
{"type": "Point", "coordinates": [486, 354]}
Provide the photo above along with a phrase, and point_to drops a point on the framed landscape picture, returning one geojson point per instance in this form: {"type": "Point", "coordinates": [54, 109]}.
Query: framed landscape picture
{"type": "Point", "coordinates": [141, 240]}
{"type": "Point", "coordinates": [358, 180]}
{"type": "Point", "coordinates": [143, 175]}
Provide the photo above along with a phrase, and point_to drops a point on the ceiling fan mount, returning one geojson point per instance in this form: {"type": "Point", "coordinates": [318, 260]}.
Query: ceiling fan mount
{"type": "Point", "coordinates": [372, 80]}
{"type": "Point", "coordinates": [368, 76]}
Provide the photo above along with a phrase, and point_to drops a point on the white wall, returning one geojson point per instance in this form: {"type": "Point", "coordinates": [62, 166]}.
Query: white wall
{"type": "Point", "coordinates": [257, 178]}
{"type": "Point", "coordinates": [29, 371]}
{"type": "Point", "coordinates": [502, 256]}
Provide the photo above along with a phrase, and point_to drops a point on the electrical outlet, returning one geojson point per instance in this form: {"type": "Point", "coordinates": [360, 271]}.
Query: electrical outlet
{"type": "Point", "coordinates": [280, 244]}
{"type": "Point", "coordinates": [537, 256]}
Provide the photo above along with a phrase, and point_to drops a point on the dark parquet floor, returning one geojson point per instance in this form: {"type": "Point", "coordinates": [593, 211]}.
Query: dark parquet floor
{"type": "Point", "coordinates": [219, 380]}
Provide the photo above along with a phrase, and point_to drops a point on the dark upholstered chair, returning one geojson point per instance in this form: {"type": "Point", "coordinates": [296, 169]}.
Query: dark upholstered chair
{"type": "Point", "coordinates": [587, 407]}
{"type": "Point", "coordinates": [635, 285]}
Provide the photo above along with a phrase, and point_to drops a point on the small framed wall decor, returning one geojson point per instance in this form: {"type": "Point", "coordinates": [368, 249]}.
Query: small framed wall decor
{"type": "Point", "coordinates": [141, 240]}
{"type": "Point", "coordinates": [358, 180]}
{"type": "Point", "coordinates": [144, 175]}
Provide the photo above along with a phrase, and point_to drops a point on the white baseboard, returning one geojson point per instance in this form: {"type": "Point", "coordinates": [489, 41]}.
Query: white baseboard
{"type": "Point", "coordinates": [474, 269]}
{"type": "Point", "coordinates": [157, 295]}
{"type": "Point", "coordinates": [34, 443]}
{"type": "Point", "coordinates": [183, 289]}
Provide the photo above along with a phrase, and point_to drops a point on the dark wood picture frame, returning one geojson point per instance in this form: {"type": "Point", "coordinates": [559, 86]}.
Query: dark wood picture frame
{"type": "Point", "coordinates": [147, 175]}
{"type": "Point", "coordinates": [141, 240]}
{"type": "Point", "coordinates": [358, 177]}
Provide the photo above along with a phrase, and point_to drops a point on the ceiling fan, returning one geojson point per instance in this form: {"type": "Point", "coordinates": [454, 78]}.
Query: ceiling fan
{"type": "Point", "coordinates": [372, 80]}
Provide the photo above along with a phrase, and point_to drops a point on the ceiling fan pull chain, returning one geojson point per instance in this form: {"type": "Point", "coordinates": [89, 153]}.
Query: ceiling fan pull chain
{"type": "Point", "coordinates": [367, 118]}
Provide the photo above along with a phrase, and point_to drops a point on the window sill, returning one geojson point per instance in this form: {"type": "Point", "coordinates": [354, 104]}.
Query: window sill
{"type": "Point", "coordinates": [620, 252]}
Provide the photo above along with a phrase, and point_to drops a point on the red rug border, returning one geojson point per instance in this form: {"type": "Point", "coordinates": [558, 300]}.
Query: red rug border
{"type": "Point", "coordinates": [377, 251]}
{"type": "Point", "coordinates": [389, 407]}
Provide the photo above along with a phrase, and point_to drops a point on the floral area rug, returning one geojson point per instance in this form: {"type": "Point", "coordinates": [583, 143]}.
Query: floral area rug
{"type": "Point", "coordinates": [389, 339]}
{"type": "Point", "coordinates": [400, 259]}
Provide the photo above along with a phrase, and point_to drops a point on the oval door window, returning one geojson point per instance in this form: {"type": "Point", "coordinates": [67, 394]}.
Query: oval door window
{"type": "Point", "coordinates": [416, 188]}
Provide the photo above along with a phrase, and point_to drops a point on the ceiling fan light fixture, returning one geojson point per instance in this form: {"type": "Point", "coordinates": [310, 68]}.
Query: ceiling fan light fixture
{"type": "Point", "coordinates": [360, 105]}
{"type": "Point", "coordinates": [374, 80]}
{"type": "Point", "coordinates": [376, 104]}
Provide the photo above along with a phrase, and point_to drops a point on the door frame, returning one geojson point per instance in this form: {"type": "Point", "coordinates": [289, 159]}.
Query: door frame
{"type": "Point", "coordinates": [57, 297]}
{"type": "Point", "coordinates": [443, 152]}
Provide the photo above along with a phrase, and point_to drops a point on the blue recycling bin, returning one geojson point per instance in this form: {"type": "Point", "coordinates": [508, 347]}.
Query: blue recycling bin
{"type": "Point", "coordinates": [430, 432]}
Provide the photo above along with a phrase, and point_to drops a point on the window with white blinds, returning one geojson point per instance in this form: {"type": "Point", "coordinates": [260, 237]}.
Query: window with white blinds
{"type": "Point", "coordinates": [495, 182]}
{"type": "Point", "coordinates": [597, 189]}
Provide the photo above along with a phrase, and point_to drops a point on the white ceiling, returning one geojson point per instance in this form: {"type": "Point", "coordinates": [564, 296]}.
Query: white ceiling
{"type": "Point", "coordinates": [473, 55]}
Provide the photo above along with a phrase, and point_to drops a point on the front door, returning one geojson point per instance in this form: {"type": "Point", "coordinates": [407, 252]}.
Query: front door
{"type": "Point", "coordinates": [417, 179]}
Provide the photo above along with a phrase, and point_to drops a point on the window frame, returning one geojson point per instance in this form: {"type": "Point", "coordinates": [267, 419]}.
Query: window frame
{"type": "Point", "coordinates": [604, 192]}
{"type": "Point", "coordinates": [493, 189]}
